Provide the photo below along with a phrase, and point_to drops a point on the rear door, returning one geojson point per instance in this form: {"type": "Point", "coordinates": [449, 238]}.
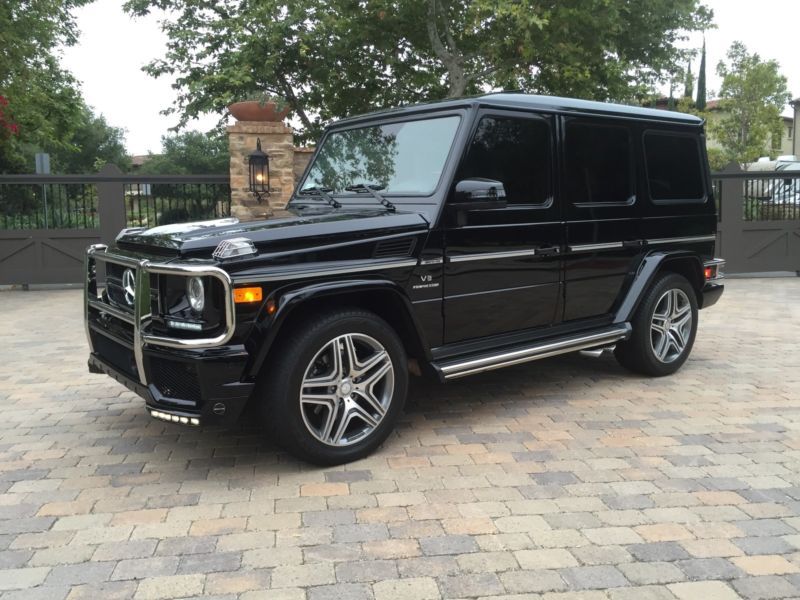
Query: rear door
{"type": "Point", "coordinates": [502, 265]}
{"type": "Point", "coordinates": [602, 213]}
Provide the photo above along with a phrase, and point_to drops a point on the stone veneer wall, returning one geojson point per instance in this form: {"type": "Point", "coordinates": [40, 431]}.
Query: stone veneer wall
{"type": "Point", "coordinates": [286, 165]}
{"type": "Point", "coordinates": [302, 156]}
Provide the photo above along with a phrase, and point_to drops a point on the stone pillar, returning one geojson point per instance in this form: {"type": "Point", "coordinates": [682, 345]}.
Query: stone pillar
{"type": "Point", "coordinates": [302, 156]}
{"type": "Point", "coordinates": [277, 141]}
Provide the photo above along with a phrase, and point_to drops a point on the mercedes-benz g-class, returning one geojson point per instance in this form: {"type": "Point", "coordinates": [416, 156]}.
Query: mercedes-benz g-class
{"type": "Point", "coordinates": [449, 238]}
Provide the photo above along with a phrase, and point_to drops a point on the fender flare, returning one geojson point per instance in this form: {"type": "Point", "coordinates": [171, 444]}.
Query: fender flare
{"type": "Point", "coordinates": [290, 298]}
{"type": "Point", "coordinates": [648, 269]}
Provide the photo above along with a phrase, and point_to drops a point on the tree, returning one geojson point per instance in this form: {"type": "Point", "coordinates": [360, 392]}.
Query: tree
{"type": "Point", "coordinates": [43, 100]}
{"type": "Point", "coordinates": [752, 97]}
{"type": "Point", "coordinates": [190, 153]}
{"type": "Point", "coordinates": [333, 58]}
{"type": "Point", "coordinates": [93, 144]}
{"type": "Point", "coordinates": [688, 87]}
{"type": "Point", "coordinates": [701, 81]}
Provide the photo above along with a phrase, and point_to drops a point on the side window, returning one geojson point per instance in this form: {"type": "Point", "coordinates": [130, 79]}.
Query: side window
{"type": "Point", "coordinates": [598, 164]}
{"type": "Point", "coordinates": [514, 151]}
{"type": "Point", "coordinates": [674, 166]}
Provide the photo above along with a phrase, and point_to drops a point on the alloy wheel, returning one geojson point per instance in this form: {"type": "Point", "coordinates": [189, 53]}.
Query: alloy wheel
{"type": "Point", "coordinates": [671, 325]}
{"type": "Point", "coordinates": [347, 389]}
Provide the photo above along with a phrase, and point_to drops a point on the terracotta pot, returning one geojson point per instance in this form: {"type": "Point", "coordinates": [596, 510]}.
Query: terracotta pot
{"type": "Point", "coordinates": [253, 110]}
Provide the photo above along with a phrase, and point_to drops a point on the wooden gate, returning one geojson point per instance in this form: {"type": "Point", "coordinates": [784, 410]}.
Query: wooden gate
{"type": "Point", "coordinates": [759, 227]}
{"type": "Point", "coordinates": [46, 221]}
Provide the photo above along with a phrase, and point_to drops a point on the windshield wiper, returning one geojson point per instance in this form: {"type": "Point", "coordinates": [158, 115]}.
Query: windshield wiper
{"type": "Point", "coordinates": [321, 192]}
{"type": "Point", "coordinates": [372, 189]}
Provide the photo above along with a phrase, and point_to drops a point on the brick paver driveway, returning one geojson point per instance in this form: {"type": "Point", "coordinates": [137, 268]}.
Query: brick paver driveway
{"type": "Point", "coordinates": [566, 478]}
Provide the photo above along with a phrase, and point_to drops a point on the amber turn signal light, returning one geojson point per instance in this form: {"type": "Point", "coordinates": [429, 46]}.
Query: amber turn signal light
{"type": "Point", "coordinates": [248, 294]}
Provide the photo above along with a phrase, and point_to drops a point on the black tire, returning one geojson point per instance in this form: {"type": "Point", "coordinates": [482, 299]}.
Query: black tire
{"type": "Point", "coordinates": [280, 387]}
{"type": "Point", "coordinates": [638, 354]}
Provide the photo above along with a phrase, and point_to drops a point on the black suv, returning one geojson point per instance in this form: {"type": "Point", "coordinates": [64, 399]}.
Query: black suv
{"type": "Point", "coordinates": [450, 238]}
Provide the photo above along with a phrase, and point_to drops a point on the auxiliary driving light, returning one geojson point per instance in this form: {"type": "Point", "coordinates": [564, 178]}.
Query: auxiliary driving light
{"type": "Point", "coordinates": [174, 418]}
{"type": "Point", "coordinates": [184, 325]}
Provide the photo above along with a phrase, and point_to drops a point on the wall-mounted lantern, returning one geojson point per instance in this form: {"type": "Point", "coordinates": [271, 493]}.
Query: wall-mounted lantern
{"type": "Point", "coordinates": [258, 162]}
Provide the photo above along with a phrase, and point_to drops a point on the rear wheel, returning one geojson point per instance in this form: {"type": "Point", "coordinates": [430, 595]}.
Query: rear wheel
{"type": "Point", "coordinates": [664, 328]}
{"type": "Point", "coordinates": [337, 387]}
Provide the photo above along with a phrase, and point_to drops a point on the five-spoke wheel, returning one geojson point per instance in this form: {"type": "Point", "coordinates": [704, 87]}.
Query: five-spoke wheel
{"type": "Point", "coordinates": [671, 325]}
{"type": "Point", "coordinates": [336, 387]}
{"type": "Point", "coordinates": [347, 389]}
{"type": "Point", "coordinates": [664, 328]}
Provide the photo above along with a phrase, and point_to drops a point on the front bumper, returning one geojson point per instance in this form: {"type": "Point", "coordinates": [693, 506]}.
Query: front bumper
{"type": "Point", "coordinates": [187, 381]}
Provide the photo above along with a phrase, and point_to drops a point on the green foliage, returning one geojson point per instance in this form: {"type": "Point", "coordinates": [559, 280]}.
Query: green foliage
{"type": "Point", "coordinates": [701, 81]}
{"type": "Point", "coordinates": [44, 100]}
{"type": "Point", "coordinates": [717, 159]}
{"type": "Point", "coordinates": [93, 144]}
{"type": "Point", "coordinates": [190, 153]}
{"type": "Point", "coordinates": [688, 86]}
{"type": "Point", "coordinates": [752, 97]}
{"type": "Point", "coordinates": [333, 58]}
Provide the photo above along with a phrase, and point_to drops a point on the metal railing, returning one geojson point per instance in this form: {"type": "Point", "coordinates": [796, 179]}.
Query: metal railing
{"type": "Point", "coordinates": [79, 201]}
{"type": "Point", "coordinates": [48, 205]}
{"type": "Point", "coordinates": [764, 196]}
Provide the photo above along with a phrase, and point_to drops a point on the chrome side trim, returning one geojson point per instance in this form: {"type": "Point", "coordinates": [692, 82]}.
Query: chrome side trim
{"type": "Point", "coordinates": [350, 270]}
{"type": "Point", "coordinates": [536, 352]}
{"type": "Point", "coordinates": [431, 261]}
{"type": "Point", "coordinates": [616, 245]}
{"type": "Point", "coordinates": [695, 238]}
{"type": "Point", "coordinates": [594, 247]}
{"type": "Point", "coordinates": [493, 255]}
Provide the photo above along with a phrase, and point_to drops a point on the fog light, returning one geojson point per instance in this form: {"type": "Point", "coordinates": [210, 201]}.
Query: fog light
{"type": "Point", "coordinates": [185, 325]}
{"type": "Point", "coordinates": [196, 292]}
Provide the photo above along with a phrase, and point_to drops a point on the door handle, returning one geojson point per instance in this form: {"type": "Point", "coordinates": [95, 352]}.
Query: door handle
{"type": "Point", "coordinates": [548, 251]}
{"type": "Point", "coordinates": [633, 244]}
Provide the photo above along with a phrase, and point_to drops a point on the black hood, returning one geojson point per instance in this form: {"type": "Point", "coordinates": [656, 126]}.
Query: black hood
{"type": "Point", "coordinates": [301, 230]}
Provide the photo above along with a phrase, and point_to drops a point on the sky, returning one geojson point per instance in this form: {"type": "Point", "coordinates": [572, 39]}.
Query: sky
{"type": "Point", "coordinates": [113, 47]}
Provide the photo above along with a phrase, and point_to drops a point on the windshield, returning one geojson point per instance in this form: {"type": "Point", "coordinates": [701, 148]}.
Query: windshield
{"type": "Point", "coordinates": [397, 158]}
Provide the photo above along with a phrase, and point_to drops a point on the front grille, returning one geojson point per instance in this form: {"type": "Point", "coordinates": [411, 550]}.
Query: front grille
{"type": "Point", "coordinates": [175, 379]}
{"type": "Point", "coordinates": [114, 287]}
{"type": "Point", "coordinates": [115, 354]}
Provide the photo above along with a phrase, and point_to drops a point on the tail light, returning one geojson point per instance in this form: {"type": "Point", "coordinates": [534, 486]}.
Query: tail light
{"type": "Point", "coordinates": [713, 269]}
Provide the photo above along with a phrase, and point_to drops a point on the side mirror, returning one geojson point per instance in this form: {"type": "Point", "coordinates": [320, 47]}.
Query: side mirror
{"type": "Point", "coordinates": [476, 193]}
{"type": "Point", "coordinates": [479, 189]}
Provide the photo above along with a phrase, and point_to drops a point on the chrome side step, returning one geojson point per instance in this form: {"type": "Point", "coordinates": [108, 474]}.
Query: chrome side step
{"type": "Point", "coordinates": [544, 349]}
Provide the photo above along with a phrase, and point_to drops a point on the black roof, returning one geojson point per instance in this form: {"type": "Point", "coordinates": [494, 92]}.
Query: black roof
{"type": "Point", "coordinates": [547, 103]}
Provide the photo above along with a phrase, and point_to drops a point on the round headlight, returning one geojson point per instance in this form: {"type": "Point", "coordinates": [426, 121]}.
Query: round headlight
{"type": "Point", "coordinates": [195, 291]}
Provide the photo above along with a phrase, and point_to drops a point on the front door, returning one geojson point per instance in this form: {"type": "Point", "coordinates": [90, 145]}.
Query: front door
{"type": "Point", "coordinates": [502, 265]}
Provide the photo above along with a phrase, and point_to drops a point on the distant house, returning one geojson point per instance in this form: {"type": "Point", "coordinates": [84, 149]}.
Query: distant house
{"type": "Point", "coordinates": [137, 160]}
{"type": "Point", "coordinates": [794, 130]}
{"type": "Point", "coordinates": [791, 125]}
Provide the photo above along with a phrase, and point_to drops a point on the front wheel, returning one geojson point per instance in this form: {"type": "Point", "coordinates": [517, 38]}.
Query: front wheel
{"type": "Point", "coordinates": [664, 328]}
{"type": "Point", "coordinates": [337, 387]}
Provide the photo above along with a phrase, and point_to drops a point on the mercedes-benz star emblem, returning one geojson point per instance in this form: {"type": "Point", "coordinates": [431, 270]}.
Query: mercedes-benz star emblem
{"type": "Point", "coordinates": [129, 286]}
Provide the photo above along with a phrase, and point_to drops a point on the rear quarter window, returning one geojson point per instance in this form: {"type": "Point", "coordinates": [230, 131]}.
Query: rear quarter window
{"type": "Point", "coordinates": [674, 167]}
{"type": "Point", "coordinates": [599, 164]}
